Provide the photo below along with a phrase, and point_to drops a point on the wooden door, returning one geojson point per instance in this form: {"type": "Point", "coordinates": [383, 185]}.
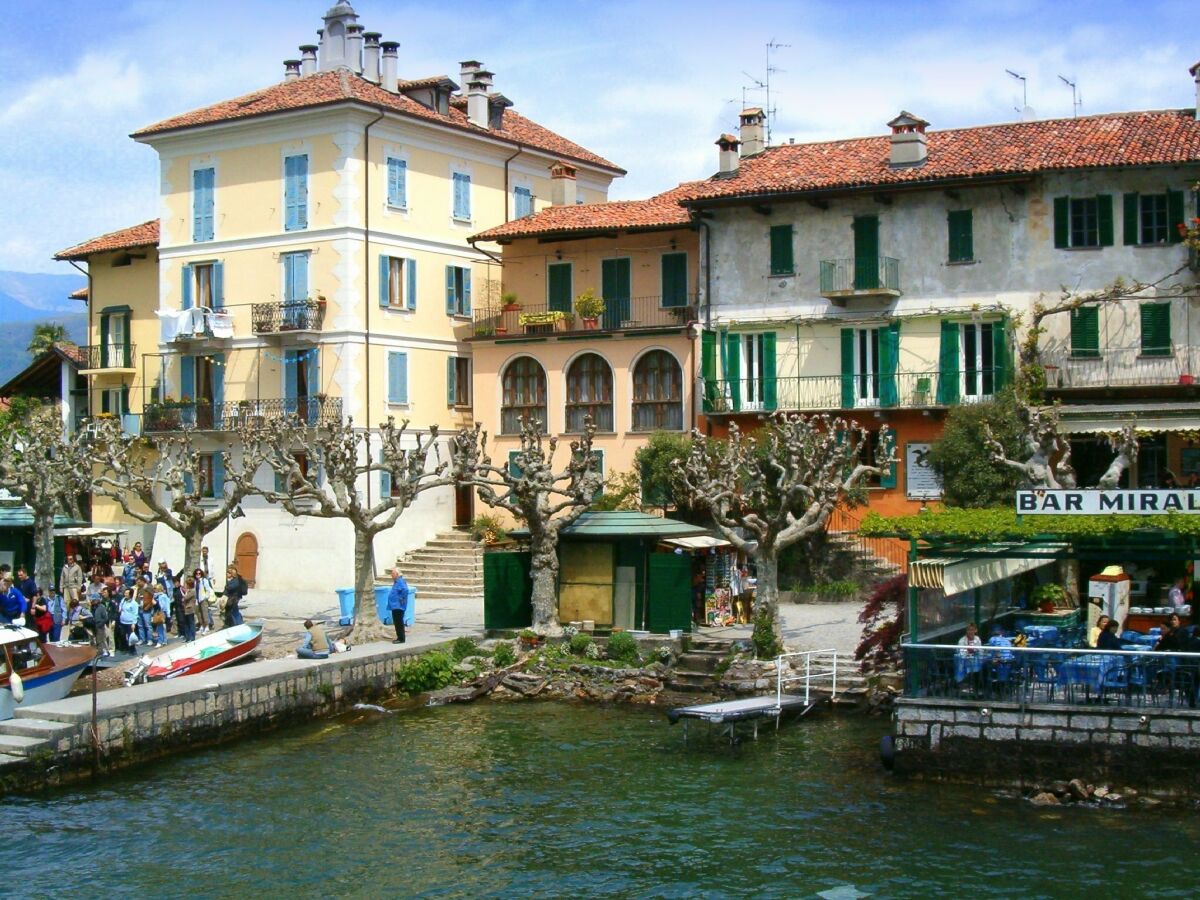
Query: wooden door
{"type": "Point", "coordinates": [245, 557]}
{"type": "Point", "coordinates": [585, 582]}
{"type": "Point", "coordinates": [866, 253]}
{"type": "Point", "coordinates": [464, 500]}
{"type": "Point", "coordinates": [616, 287]}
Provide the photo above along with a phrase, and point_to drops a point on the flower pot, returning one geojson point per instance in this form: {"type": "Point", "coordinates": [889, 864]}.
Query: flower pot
{"type": "Point", "coordinates": [511, 307]}
{"type": "Point", "coordinates": [591, 324]}
{"type": "Point", "coordinates": [1187, 379]}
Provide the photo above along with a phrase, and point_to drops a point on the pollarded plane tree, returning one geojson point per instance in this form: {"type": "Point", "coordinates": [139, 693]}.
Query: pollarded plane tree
{"type": "Point", "coordinates": [777, 486]}
{"type": "Point", "coordinates": [546, 499]}
{"type": "Point", "coordinates": [322, 472]}
{"type": "Point", "coordinates": [168, 480]}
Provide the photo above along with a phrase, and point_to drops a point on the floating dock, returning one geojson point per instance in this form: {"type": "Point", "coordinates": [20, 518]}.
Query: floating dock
{"type": "Point", "coordinates": [728, 714]}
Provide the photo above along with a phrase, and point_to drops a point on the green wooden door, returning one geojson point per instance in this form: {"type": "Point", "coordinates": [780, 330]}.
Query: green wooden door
{"type": "Point", "coordinates": [615, 286]}
{"type": "Point", "coordinates": [669, 592]}
{"type": "Point", "coordinates": [866, 253]}
{"type": "Point", "coordinates": [507, 590]}
{"type": "Point", "coordinates": [558, 293]}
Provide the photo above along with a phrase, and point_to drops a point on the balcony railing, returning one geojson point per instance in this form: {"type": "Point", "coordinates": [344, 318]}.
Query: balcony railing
{"type": "Point", "coordinates": [861, 276]}
{"type": "Point", "coordinates": [622, 314]}
{"type": "Point", "coordinates": [195, 324]}
{"type": "Point", "coordinates": [1118, 367]}
{"type": "Point", "coordinates": [904, 390]}
{"type": "Point", "coordinates": [108, 356]}
{"type": "Point", "coordinates": [278, 318]}
{"type": "Point", "coordinates": [234, 415]}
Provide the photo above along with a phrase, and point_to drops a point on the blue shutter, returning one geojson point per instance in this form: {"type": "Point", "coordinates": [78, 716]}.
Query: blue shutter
{"type": "Point", "coordinates": [203, 182]}
{"type": "Point", "coordinates": [295, 277]}
{"type": "Point", "coordinates": [384, 273]}
{"type": "Point", "coordinates": [397, 172]}
{"type": "Point", "coordinates": [451, 296]}
{"type": "Point", "coordinates": [218, 285]}
{"type": "Point", "coordinates": [218, 475]}
{"type": "Point", "coordinates": [462, 195]}
{"type": "Point", "coordinates": [313, 362]}
{"type": "Point", "coordinates": [451, 380]}
{"type": "Point", "coordinates": [385, 479]}
{"type": "Point", "coordinates": [218, 386]}
{"type": "Point", "coordinates": [466, 303]}
{"type": "Point", "coordinates": [291, 382]}
{"type": "Point", "coordinates": [186, 302]}
{"type": "Point", "coordinates": [295, 193]}
{"type": "Point", "coordinates": [397, 377]}
{"type": "Point", "coordinates": [187, 377]}
{"type": "Point", "coordinates": [522, 202]}
{"type": "Point", "coordinates": [410, 287]}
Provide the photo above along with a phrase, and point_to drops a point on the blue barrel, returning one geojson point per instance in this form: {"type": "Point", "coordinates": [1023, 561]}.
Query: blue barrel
{"type": "Point", "coordinates": [385, 614]}
{"type": "Point", "coordinates": [346, 605]}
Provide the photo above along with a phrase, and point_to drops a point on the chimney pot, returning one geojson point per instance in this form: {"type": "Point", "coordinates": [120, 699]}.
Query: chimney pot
{"type": "Point", "coordinates": [308, 59]}
{"type": "Point", "coordinates": [727, 156]}
{"type": "Point", "coordinates": [291, 69]}
{"type": "Point", "coordinates": [1195, 70]}
{"type": "Point", "coordinates": [387, 78]}
{"type": "Point", "coordinates": [466, 71]}
{"type": "Point", "coordinates": [909, 145]}
{"type": "Point", "coordinates": [371, 56]}
{"type": "Point", "coordinates": [753, 131]}
{"type": "Point", "coordinates": [477, 104]}
{"type": "Point", "coordinates": [354, 48]}
{"type": "Point", "coordinates": [563, 188]}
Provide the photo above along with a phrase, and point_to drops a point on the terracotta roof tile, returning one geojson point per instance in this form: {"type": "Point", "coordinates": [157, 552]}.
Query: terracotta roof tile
{"type": "Point", "coordinates": [81, 294]}
{"type": "Point", "coordinates": [144, 235]}
{"type": "Point", "coordinates": [1018, 148]}
{"type": "Point", "coordinates": [661, 211]}
{"type": "Point", "coordinates": [71, 350]}
{"type": "Point", "coordinates": [325, 88]}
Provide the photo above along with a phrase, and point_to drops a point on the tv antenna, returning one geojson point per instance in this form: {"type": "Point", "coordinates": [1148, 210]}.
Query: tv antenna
{"type": "Point", "coordinates": [770, 110]}
{"type": "Point", "coordinates": [1024, 90]}
{"type": "Point", "coordinates": [1076, 98]}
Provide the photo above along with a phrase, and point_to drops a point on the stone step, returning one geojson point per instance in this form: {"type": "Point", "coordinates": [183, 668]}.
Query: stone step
{"type": "Point", "coordinates": [699, 661]}
{"type": "Point", "coordinates": [22, 745]}
{"type": "Point", "coordinates": [421, 580]}
{"type": "Point", "coordinates": [449, 595]}
{"type": "Point", "coordinates": [467, 546]}
{"type": "Point", "coordinates": [448, 568]}
{"type": "Point", "coordinates": [710, 645]}
{"type": "Point", "coordinates": [35, 728]}
{"type": "Point", "coordinates": [7, 759]}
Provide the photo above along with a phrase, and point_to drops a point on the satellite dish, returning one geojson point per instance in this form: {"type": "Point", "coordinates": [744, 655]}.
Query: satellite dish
{"type": "Point", "coordinates": [17, 687]}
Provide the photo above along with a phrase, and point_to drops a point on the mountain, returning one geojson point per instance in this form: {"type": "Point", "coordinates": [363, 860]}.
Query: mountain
{"type": "Point", "coordinates": [15, 337]}
{"type": "Point", "coordinates": [33, 296]}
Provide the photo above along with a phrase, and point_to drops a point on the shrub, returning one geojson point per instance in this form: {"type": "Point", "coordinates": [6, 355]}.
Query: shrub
{"type": "Point", "coordinates": [425, 673]}
{"type": "Point", "coordinates": [528, 634]}
{"type": "Point", "coordinates": [593, 651]}
{"type": "Point", "coordinates": [622, 647]}
{"type": "Point", "coordinates": [504, 655]}
{"type": "Point", "coordinates": [883, 620]}
{"type": "Point", "coordinates": [488, 529]}
{"type": "Point", "coordinates": [579, 644]}
{"type": "Point", "coordinates": [765, 640]}
{"type": "Point", "coordinates": [961, 457]}
{"type": "Point", "coordinates": [464, 647]}
{"type": "Point", "coordinates": [837, 588]}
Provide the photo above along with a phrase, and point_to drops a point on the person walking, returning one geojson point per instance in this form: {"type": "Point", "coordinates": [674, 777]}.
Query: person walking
{"type": "Point", "coordinates": [160, 616]}
{"type": "Point", "coordinates": [127, 619]}
{"type": "Point", "coordinates": [101, 616]}
{"type": "Point", "coordinates": [70, 580]}
{"type": "Point", "coordinates": [398, 604]}
{"type": "Point", "coordinates": [204, 596]}
{"type": "Point", "coordinates": [58, 612]}
{"type": "Point", "coordinates": [187, 618]}
{"type": "Point", "coordinates": [235, 590]}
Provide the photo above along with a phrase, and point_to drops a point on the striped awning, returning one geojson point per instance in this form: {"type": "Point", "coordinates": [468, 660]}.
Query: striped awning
{"type": "Point", "coordinates": [953, 575]}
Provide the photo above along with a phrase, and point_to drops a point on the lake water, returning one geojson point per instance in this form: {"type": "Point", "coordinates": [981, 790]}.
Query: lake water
{"type": "Point", "coordinates": [536, 799]}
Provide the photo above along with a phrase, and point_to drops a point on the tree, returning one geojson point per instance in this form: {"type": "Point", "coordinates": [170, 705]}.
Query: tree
{"type": "Point", "coordinates": [962, 457]}
{"type": "Point", "coordinates": [658, 464]}
{"type": "Point", "coordinates": [164, 479]}
{"type": "Point", "coordinates": [45, 336]}
{"type": "Point", "coordinates": [883, 618]}
{"type": "Point", "coordinates": [544, 499]}
{"type": "Point", "coordinates": [768, 490]}
{"type": "Point", "coordinates": [320, 472]}
{"type": "Point", "coordinates": [49, 472]}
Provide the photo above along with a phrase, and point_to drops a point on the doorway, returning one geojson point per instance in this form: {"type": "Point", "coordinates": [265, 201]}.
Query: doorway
{"type": "Point", "coordinates": [464, 504]}
{"type": "Point", "coordinates": [245, 557]}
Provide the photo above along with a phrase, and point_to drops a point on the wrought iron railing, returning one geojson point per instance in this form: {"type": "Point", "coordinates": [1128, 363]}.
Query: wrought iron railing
{"type": "Point", "coordinates": [1118, 367]}
{"type": "Point", "coordinates": [620, 314]}
{"type": "Point", "coordinates": [234, 415]}
{"type": "Point", "coordinates": [274, 318]}
{"type": "Point", "coordinates": [1035, 675]}
{"type": "Point", "coordinates": [860, 275]}
{"type": "Point", "coordinates": [109, 356]}
{"type": "Point", "coordinates": [844, 523]}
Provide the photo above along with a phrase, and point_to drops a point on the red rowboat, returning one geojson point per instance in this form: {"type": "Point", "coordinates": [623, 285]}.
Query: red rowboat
{"type": "Point", "coordinates": [212, 651]}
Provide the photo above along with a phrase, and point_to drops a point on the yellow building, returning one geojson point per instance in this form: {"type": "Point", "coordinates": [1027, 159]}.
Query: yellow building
{"type": "Point", "coordinates": [631, 366]}
{"type": "Point", "coordinates": [311, 259]}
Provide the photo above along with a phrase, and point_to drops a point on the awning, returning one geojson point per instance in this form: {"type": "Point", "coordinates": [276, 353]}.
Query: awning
{"type": "Point", "coordinates": [621, 524]}
{"type": "Point", "coordinates": [89, 532]}
{"type": "Point", "coordinates": [1148, 418]}
{"type": "Point", "coordinates": [700, 542]}
{"type": "Point", "coordinates": [954, 575]}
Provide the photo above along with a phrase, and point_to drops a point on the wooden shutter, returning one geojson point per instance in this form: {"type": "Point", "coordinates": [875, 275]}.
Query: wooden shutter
{"type": "Point", "coordinates": [186, 302]}
{"type": "Point", "coordinates": [217, 367]}
{"type": "Point", "coordinates": [451, 380]}
{"type": "Point", "coordinates": [410, 283]}
{"type": "Point", "coordinates": [782, 261]}
{"type": "Point", "coordinates": [733, 369]}
{"type": "Point", "coordinates": [1104, 210]}
{"type": "Point", "coordinates": [218, 476]}
{"type": "Point", "coordinates": [961, 237]}
{"type": "Point", "coordinates": [558, 287]}
{"type": "Point", "coordinates": [397, 377]}
{"type": "Point", "coordinates": [385, 479]}
{"type": "Point", "coordinates": [1085, 332]}
{"type": "Point", "coordinates": [1156, 329]}
{"type": "Point", "coordinates": [889, 358]}
{"type": "Point", "coordinates": [295, 193]}
{"type": "Point", "coordinates": [462, 196]}
{"type": "Point", "coordinates": [1000, 356]}
{"type": "Point", "coordinates": [397, 186]}
{"type": "Point", "coordinates": [451, 293]}
{"type": "Point", "coordinates": [1174, 216]}
{"type": "Point", "coordinates": [218, 282]}
{"type": "Point", "coordinates": [674, 279]}
{"type": "Point", "coordinates": [948, 365]}
{"type": "Point", "coordinates": [708, 367]}
{"type": "Point", "coordinates": [1131, 230]}
{"type": "Point", "coordinates": [187, 377]}
{"type": "Point", "coordinates": [1062, 222]}
{"type": "Point", "coordinates": [104, 363]}
{"type": "Point", "coordinates": [291, 380]}
{"type": "Point", "coordinates": [770, 388]}
{"type": "Point", "coordinates": [385, 280]}
{"type": "Point", "coordinates": [466, 292]}
{"type": "Point", "coordinates": [202, 204]}
{"type": "Point", "coordinates": [847, 368]}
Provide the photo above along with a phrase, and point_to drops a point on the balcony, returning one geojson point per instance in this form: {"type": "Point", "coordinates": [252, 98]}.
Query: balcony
{"type": "Point", "coordinates": [843, 393]}
{"type": "Point", "coordinates": [197, 326]}
{"type": "Point", "coordinates": [862, 276]}
{"type": "Point", "coordinates": [114, 358]}
{"type": "Point", "coordinates": [301, 319]}
{"type": "Point", "coordinates": [625, 314]}
{"type": "Point", "coordinates": [1118, 368]}
{"type": "Point", "coordinates": [167, 416]}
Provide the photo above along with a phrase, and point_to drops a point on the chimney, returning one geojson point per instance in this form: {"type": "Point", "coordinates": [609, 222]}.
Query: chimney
{"type": "Point", "coordinates": [390, 56]}
{"type": "Point", "coordinates": [308, 59]}
{"type": "Point", "coordinates": [291, 70]}
{"type": "Point", "coordinates": [497, 103]}
{"type": "Point", "coordinates": [753, 131]}
{"type": "Point", "coordinates": [466, 71]}
{"type": "Point", "coordinates": [477, 104]}
{"type": "Point", "coordinates": [354, 52]}
{"type": "Point", "coordinates": [1195, 70]}
{"type": "Point", "coordinates": [371, 56]}
{"type": "Point", "coordinates": [728, 156]}
{"type": "Point", "coordinates": [908, 140]}
{"type": "Point", "coordinates": [562, 184]}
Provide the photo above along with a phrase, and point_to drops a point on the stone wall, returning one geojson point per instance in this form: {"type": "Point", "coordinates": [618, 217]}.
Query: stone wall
{"type": "Point", "coordinates": [1155, 751]}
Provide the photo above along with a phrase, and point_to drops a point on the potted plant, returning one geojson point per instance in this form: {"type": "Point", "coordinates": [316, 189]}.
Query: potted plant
{"type": "Point", "coordinates": [1049, 597]}
{"type": "Point", "coordinates": [589, 307]}
{"type": "Point", "coordinates": [508, 302]}
{"type": "Point", "coordinates": [529, 639]}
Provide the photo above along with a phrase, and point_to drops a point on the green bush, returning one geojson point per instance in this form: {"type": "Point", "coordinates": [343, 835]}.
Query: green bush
{"type": "Point", "coordinates": [840, 588]}
{"type": "Point", "coordinates": [425, 673]}
{"type": "Point", "coordinates": [579, 644]}
{"type": "Point", "coordinates": [766, 641]}
{"type": "Point", "coordinates": [962, 460]}
{"type": "Point", "coordinates": [622, 647]}
{"type": "Point", "coordinates": [464, 647]}
{"type": "Point", "coordinates": [488, 529]}
{"type": "Point", "coordinates": [504, 655]}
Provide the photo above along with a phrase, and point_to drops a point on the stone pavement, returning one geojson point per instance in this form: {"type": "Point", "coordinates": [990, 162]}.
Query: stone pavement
{"type": "Point", "coordinates": [807, 626]}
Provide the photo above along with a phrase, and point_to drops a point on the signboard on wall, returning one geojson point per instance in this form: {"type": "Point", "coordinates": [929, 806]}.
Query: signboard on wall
{"type": "Point", "coordinates": [1103, 503]}
{"type": "Point", "coordinates": [920, 481]}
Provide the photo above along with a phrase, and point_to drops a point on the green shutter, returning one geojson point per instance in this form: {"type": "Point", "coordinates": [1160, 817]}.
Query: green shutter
{"type": "Point", "coordinates": [733, 369]}
{"type": "Point", "coordinates": [1000, 365]}
{"type": "Point", "coordinates": [770, 391]}
{"type": "Point", "coordinates": [847, 368]}
{"type": "Point", "coordinates": [1174, 216]}
{"type": "Point", "coordinates": [674, 279]}
{"type": "Point", "coordinates": [708, 367]}
{"type": "Point", "coordinates": [948, 369]}
{"type": "Point", "coordinates": [1104, 209]}
{"type": "Point", "coordinates": [782, 262]}
{"type": "Point", "coordinates": [1131, 223]}
{"type": "Point", "coordinates": [451, 380]}
{"type": "Point", "coordinates": [889, 357]}
{"type": "Point", "coordinates": [410, 286]}
{"type": "Point", "coordinates": [1062, 222]}
{"type": "Point", "coordinates": [451, 293]}
{"type": "Point", "coordinates": [558, 286]}
{"type": "Point", "coordinates": [1085, 332]}
{"type": "Point", "coordinates": [104, 341]}
{"type": "Point", "coordinates": [961, 236]}
{"type": "Point", "coordinates": [1156, 329]}
{"type": "Point", "coordinates": [888, 478]}
{"type": "Point", "coordinates": [385, 298]}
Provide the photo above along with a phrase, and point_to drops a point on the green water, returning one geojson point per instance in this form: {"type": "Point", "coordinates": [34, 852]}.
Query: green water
{"type": "Point", "coordinates": [498, 800]}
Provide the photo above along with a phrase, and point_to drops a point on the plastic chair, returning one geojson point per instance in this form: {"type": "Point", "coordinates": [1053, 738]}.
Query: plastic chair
{"type": "Point", "coordinates": [920, 395]}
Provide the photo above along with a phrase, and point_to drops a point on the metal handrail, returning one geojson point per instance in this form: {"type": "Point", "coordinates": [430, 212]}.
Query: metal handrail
{"type": "Point", "coordinates": [619, 314]}
{"type": "Point", "coordinates": [109, 356]}
{"type": "Point", "coordinates": [808, 675]}
{"type": "Point", "coordinates": [891, 550]}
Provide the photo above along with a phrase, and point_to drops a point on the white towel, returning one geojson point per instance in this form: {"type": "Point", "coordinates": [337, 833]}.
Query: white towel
{"type": "Point", "coordinates": [220, 323]}
{"type": "Point", "coordinates": [169, 323]}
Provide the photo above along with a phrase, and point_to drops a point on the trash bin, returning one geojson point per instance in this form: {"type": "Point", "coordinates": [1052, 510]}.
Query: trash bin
{"type": "Point", "coordinates": [346, 604]}
{"type": "Point", "coordinates": [385, 614]}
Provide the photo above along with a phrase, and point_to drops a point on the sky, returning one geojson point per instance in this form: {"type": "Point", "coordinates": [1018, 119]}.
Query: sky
{"type": "Point", "coordinates": [648, 85]}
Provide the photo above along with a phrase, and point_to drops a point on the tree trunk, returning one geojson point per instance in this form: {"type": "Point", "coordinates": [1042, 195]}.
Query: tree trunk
{"type": "Point", "coordinates": [191, 551]}
{"type": "Point", "coordinates": [43, 548]}
{"type": "Point", "coordinates": [766, 593]}
{"type": "Point", "coordinates": [367, 626]}
{"type": "Point", "coordinates": [543, 544]}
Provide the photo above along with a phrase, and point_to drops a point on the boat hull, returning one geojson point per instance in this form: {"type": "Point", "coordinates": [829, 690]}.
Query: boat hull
{"type": "Point", "coordinates": [188, 659]}
{"type": "Point", "coordinates": [49, 686]}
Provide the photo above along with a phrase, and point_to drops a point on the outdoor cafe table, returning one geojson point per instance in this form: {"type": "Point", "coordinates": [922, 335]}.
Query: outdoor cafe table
{"type": "Point", "coordinates": [1089, 670]}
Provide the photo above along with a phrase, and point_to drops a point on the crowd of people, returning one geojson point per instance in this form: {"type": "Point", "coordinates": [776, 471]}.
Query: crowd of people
{"type": "Point", "coordinates": [121, 610]}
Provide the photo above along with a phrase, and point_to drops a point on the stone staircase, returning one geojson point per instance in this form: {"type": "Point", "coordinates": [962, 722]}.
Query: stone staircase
{"type": "Point", "coordinates": [695, 672]}
{"type": "Point", "coordinates": [449, 567]}
{"type": "Point", "coordinates": [23, 737]}
{"type": "Point", "coordinates": [870, 570]}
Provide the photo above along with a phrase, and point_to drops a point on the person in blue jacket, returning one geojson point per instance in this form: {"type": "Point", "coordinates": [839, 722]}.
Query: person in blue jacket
{"type": "Point", "coordinates": [12, 602]}
{"type": "Point", "coordinates": [398, 604]}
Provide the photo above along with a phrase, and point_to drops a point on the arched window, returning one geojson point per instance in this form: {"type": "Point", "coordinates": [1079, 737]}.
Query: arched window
{"type": "Point", "coordinates": [590, 393]}
{"type": "Point", "coordinates": [657, 393]}
{"type": "Point", "coordinates": [524, 395]}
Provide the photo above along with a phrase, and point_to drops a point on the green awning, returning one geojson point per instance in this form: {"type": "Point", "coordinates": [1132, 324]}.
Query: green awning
{"type": "Point", "coordinates": [624, 524]}
{"type": "Point", "coordinates": [22, 517]}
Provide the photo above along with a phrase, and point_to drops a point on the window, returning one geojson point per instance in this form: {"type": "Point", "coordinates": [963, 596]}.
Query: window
{"type": "Point", "coordinates": [589, 393]}
{"type": "Point", "coordinates": [458, 291]}
{"type": "Point", "coordinates": [782, 262]}
{"type": "Point", "coordinates": [1083, 221]}
{"type": "Point", "coordinates": [559, 286]}
{"type": "Point", "coordinates": [397, 282]}
{"type": "Point", "coordinates": [753, 370]}
{"type": "Point", "coordinates": [866, 367]}
{"type": "Point", "coordinates": [961, 235]}
{"type": "Point", "coordinates": [462, 196]}
{"type": "Point", "coordinates": [522, 202]}
{"type": "Point", "coordinates": [397, 377]}
{"type": "Point", "coordinates": [295, 289]}
{"type": "Point", "coordinates": [458, 381]}
{"type": "Point", "coordinates": [397, 183]}
{"type": "Point", "coordinates": [203, 182]}
{"type": "Point", "coordinates": [204, 468]}
{"type": "Point", "coordinates": [674, 280]}
{"type": "Point", "coordinates": [868, 453]}
{"type": "Point", "coordinates": [1085, 332]}
{"type": "Point", "coordinates": [1153, 218]}
{"type": "Point", "coordinates": [302, 463]}
{"type": "Point", "coordinates": [202, 285]}
{"type": "Point", "coordinates": [112, 400]}
{"type": "Point", "coordinates": [657, 393]}
{"type": "Point", "coordinates": [295, 193]}
{"type": "Point", "coordinates": [1156, 329]}
{"type": "Point", "coordinates": [598, 468]}
{"type": "Point", "coordinates": [978, 373]}
{"type": "Point", "coordinates": [523, 394]}
{"type": "Point", "coordinates": [114, 341]}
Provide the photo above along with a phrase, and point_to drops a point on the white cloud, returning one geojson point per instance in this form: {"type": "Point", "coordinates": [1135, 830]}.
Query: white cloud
{"type": "Point", "coordinates": [102, 84]}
